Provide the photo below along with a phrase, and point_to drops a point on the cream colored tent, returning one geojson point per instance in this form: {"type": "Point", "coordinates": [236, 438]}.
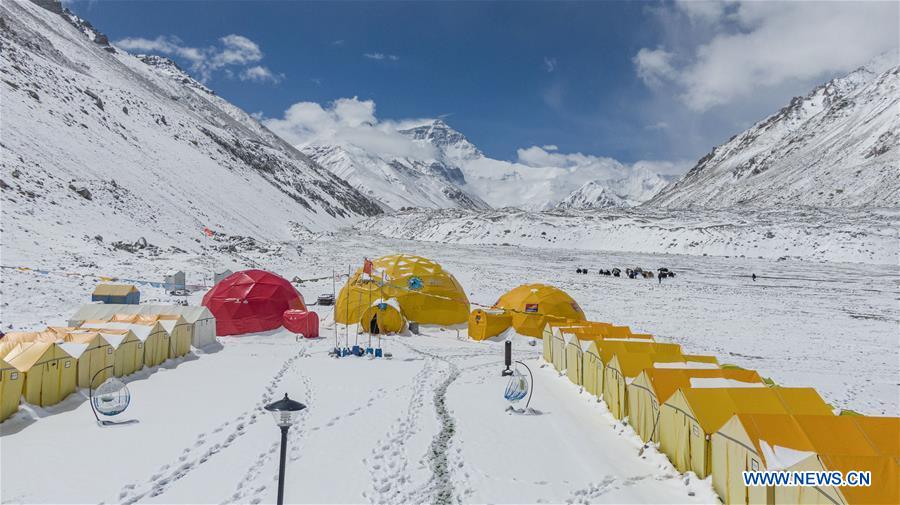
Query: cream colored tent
{"type": "Point", "coordinates": [50, 372]}
{"type": "Point", "coordinates": [749, 442]}
{"type": "Point", "coordinates": [154, 339]}
{"type": "Point", "coordinates": [624, 367]}
{"type": "Point", "coordinates": [656, 384]}
{"type": "Point", "coordinates": [691, 415]}
{"type": "Point", "coordinates": [11, 383]}
{"type": "Point", "coordinates": [202, 322]}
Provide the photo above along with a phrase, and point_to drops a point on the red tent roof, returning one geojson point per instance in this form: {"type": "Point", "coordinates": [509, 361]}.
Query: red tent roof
{"type": "Point", "coordinates": [251, 301]}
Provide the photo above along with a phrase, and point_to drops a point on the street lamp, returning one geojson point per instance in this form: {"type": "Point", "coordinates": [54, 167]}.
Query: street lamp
{"type": "Point", "coordinates": [286, 412]}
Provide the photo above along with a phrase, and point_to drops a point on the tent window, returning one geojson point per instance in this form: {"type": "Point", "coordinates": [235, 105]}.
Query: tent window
{"type": "Point", "coordinates": [109, 351]}
{"type": "Point", "coordinates": [140, 346]}
{"type": "Point", "coordinates": [13, 376]}
{"type": "Point", "coordinates": [754, 465]}
{"type": "Point", "coordinates": [68, 364]}
{"type": "Point", "coordinates": [695, 430]}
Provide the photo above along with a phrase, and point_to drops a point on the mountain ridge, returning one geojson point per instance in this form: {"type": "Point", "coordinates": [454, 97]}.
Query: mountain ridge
{"type": "Point", "coordinates": [834, 147]}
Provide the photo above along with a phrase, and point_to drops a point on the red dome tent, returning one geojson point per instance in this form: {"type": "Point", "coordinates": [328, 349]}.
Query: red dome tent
{"type": "Point", "coordinates": [251, 301]}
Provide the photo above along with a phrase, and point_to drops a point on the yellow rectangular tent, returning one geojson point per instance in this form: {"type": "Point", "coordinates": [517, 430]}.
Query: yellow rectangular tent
{"type": "Point", "coordinates": [735, 448]}
{"type": "Point", "coordinates": [96, 362]}
{"type": "Point", "coordinates": [11, 383]}
{"type": "Point", "coordinates": [178, 328]}
{"type": "Point", "coordinates": [594, 360]}
{"type": "Point", "coordinates": [655, 385]}
{"type": "Point", "coordinates": [488, 323]}
{"type": "Point", "coordinates": [551, 330]}
{"type": "Point", "coordinates": [575, 349]}
{"type": "Point", "coordinates": [691, 415]}
{"type": "Point", "coordinates": [749, 442]}
{"type": "Point", "coordinates": [624, 367]}
{"type": "Point", "coordinates": [50, 372]}
{"type": "Point", "coordinates": [128, 356]}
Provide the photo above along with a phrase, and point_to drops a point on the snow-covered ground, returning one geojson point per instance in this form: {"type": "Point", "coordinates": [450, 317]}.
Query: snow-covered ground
{"type": "Point", "coordinates": [372, 427]}
{"type": "Point", "coordinates": [833, 235]}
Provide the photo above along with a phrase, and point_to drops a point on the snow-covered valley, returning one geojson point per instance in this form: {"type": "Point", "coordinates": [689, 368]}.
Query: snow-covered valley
{"type": "Point", "coordinates": [841, 235]}
{"type": "Point", "coordinates": [370, 423]}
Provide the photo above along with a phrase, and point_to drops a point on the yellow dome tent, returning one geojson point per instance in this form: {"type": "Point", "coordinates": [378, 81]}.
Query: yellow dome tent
{"type": "Point", "coordinates": [425, 292]}
{"type": "Point", "coordinates": [387, 316]}
{"type": "Point", "coordinates": [532, 304]}
{"type": "Point", "coordinates": [488, 323]}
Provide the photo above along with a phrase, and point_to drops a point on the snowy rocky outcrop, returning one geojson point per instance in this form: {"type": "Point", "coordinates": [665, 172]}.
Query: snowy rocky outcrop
{"type": "Point", "coordinates": [835, 147]}
{"type": "Point", "coordinates": [160, 155]}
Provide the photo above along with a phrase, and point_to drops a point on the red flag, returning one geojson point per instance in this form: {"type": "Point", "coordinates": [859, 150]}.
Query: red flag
{"type": "Point", "coordinates": [367, 266]}
{"type": "Point", "coordinates": [207, 231]}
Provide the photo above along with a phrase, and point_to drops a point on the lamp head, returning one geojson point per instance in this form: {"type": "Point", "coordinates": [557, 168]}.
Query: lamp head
{"type": "Point", "coordinates": [285, 411]}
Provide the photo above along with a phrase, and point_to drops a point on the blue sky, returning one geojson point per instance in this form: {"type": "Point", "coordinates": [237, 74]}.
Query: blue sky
{"type": "Point", "coordinates": [628, 80]}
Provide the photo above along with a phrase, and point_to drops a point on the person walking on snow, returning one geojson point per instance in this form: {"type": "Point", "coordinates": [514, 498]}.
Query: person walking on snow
{"type": "Point", "coordinates": [754, 277]}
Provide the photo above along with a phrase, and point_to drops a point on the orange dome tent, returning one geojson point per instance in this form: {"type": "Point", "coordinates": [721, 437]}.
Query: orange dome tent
{"type": "Point", "coordinates": [532, 304]}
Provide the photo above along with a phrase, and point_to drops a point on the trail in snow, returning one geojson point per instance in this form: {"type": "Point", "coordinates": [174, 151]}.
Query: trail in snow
{"type": "Point", "coordinates": [389, 462]}
{"type": "Point", "coordinates": [440, 485]}
{"type": "Point", "coordinates": [207, 445]}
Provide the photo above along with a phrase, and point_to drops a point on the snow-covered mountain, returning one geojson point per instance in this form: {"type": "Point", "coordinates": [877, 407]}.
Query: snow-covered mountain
{"type": "Point", "coordinates": [456, 174]}
{"type": "Point", "coordinates": [397, 182]}
{"type": "Point", "coordinates": [591, 195]}
{"type": "Point", "coordinates": [835, 147]}
{"type": "Point", "coordinates": [100, 143]}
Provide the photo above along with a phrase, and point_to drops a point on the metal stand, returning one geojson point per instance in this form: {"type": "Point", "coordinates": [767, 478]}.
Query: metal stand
{"type": "Point", "coordinates": [284, 432]}
{"type": "Point", "coordinates": [530, 390]}
{"type": "Point", "coordinates": [91, 394]}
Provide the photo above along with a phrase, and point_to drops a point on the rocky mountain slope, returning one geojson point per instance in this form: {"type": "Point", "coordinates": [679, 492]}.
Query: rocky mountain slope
{"type": "Point", "coordinates": [100, 146]}
{"type": "Point", "coordinates": [835, 147]}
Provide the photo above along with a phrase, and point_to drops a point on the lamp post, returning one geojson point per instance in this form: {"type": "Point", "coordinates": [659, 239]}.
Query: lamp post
{"type": "Point", "coordinates": [286, 412]}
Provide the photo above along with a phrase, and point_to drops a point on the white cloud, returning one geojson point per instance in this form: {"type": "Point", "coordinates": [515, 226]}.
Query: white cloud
{"type": "Point", "coordinates": [550, 147]}
{"type": "Point", "coordinates": [236, 50]}
{"type": "Point", "coordinates": [260, 73]}
{"type": "Point", "coordinates": [348, 122]}
{"type": "Point", "coordinates": [659, 125]}
{"type": "Point", "coordinates": [232, 51]}
{"type": "Point", "coordinates": [754, 46]}
{"type": "Point", "coordinates": [381, 56]}
{"type": "Point", "coordinates": [549, 64]}
{"type": "Point", "coordinates": [654, 66]}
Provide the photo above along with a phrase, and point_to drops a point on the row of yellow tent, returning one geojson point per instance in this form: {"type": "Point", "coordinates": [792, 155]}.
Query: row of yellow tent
{"type": "Point", "coordinates": [45, 367]}
{"type": "Point", "coordinates": [721, 420]}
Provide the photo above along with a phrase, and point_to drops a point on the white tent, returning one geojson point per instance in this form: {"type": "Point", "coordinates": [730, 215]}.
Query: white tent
{"type": "Point", "coordinates": [199, 317]}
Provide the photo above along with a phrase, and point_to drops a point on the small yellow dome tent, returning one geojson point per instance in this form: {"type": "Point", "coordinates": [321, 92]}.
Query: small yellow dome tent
{"type": "Point", "coordinates": [532, 304]}
{"type": "Point", "coordinates": [488, 323]}
{"type": "Point", "coordinates": [386, 314]}
{"type": "Point", "coordinates": [426, 292]}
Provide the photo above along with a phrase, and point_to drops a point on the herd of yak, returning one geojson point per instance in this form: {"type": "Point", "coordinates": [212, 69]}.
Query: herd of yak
{"type": "Point", "coordinates": [631, 273]}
